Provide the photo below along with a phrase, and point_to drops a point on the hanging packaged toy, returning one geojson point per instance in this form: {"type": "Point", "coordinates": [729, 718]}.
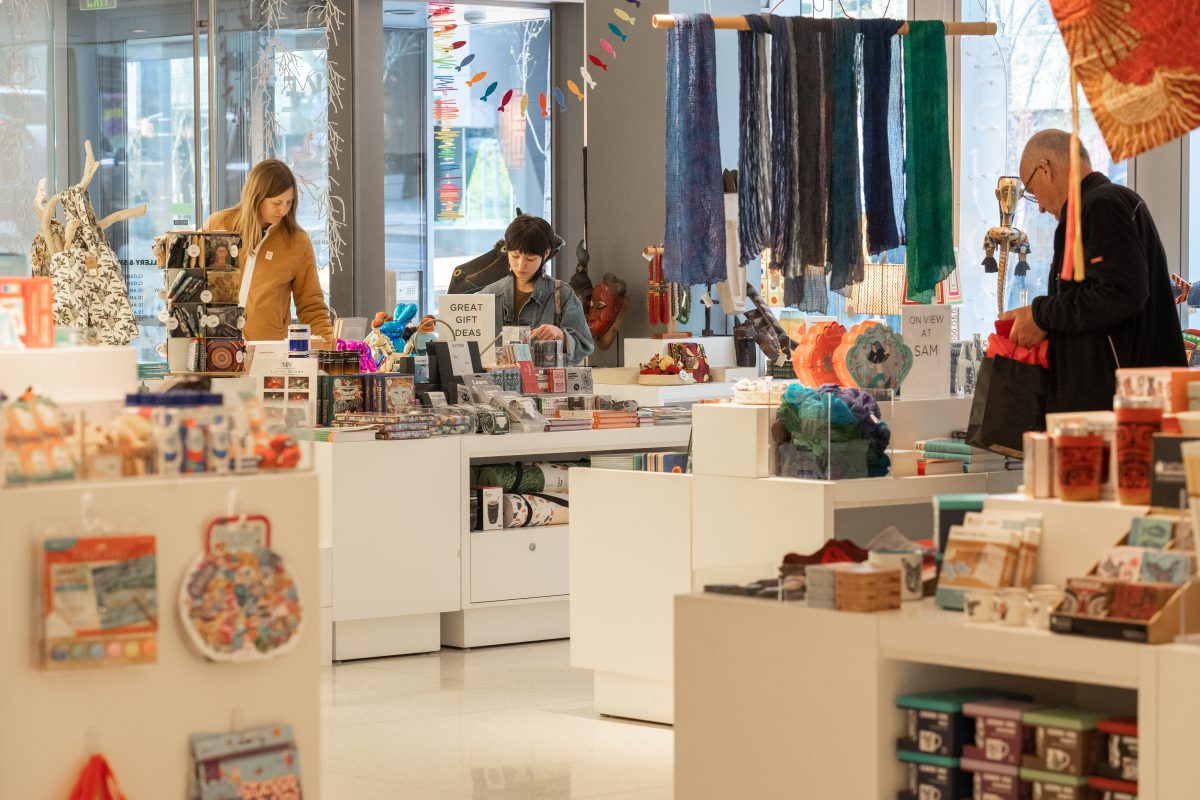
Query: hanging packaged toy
{"type": "Point", "coordinates": [237, 600]}
{"type": "Point", "coordinates": [244, 765]}
{"type": "Point", "coordinates": [35, 436]}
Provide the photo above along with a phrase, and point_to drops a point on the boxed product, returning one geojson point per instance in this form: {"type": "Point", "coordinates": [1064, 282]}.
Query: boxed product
{"type": "Point", "coordinates": [933, 776]}
{"type": "Point", "coordinates": [26, 310]}
{"type": "Point", "coordinates": [1119, 747]}
{"type": "Point", "coordinates": [579, 380]}
{"type": "Point", "coordinates": [1168, 479]}
{"type": "Point", "coordinates": [1000, 734]}
{"type": "Point", "coordinates": [995, 780]}
{"type": "Point", "coordinates": [867, 588]}
{"type": "Point", "coordinates": [1112, 789]}
{"type": "Point", "coordinates": [339, 394]}
{"type": "Point", "coordinates": [553, 381]}
{"type": "Point", "coordinates": [388, 392]}
{"type": "Point", "coordinates": [1045, 785]}
{"type": "Point", "coordinates": [976, 558]}
{"type": "Point", "coordinates": [258, 763]}
{"type": "Point", "coordinates": [1066, 740]}
{"type": "Point", "coordinates": [1170, 384]}
{"type": "Point", "coordinates": [491, 507]}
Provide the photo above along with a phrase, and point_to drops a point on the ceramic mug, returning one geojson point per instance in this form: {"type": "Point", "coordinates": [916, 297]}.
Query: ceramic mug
{"type": "Point", "coordinates": [1010, 605]}
{"type": "Point", "coordinates": [909, 563]}
{"type": "Point", "coordinates": [1043, 599]}
{"type": "Point", "coordinates": [979, 605]}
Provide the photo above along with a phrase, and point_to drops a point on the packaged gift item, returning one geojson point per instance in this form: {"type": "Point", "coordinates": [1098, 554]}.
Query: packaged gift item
{"type": "Point", "coordinates": [1088, 597]}
{"type": "Point", "coordinates": [535, 509]}
{"type": "Point", "coordinates": [26, 312]}
{"type": "Point", "coordinates": [1000, 734]}
{"type": "Point", "coordinates": [221, 250]}
{"type": "Point", "coordinates": [222, 321]}
{"type": "Point", "coordinates": [1112, 789]}
{"type": "Point", "coordinates": [239, 765]}
{"type": "Point", "coordinates": [98, 601]}
{"type": "Point", "coordinates": [224, 286]}
{"type": "Point", "coordinates": [1048, 785]}
{"type": "Point", "coordinates": [547, 353]}
{"type": "Point", "coordinates": [1065, 741]}
{"type": "Point", "coordinates": [36, 439]}
{"type": "Point", "coordinates": [186, 286]}
{"type": "Point", "coordinates": [491, 507]}
{"type": "Point", "coordinates": [976, 558]}
{"type": "Point", "coordinates": [1079, 462]}
{"type": "Point", "coordinates": [237, 600]}
{"type": "Point", "coordinates": [995, 780]}
{"type": "Point", "coordinates": [1138, 419]}
{"type": "Point", "coordinates": [1120, 749]}
{"type": "Point", "coordinates": [224, 355]}
{"type": "Point", "coordinates": [933, 776]}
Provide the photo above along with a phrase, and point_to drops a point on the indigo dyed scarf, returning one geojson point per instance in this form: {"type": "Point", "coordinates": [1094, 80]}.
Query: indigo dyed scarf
{"type": "Point", "coordinates": [929, 205]}
{"type": "Point", "coordinates": [754, 153]}
{"type": "Point", "coordinates": [883, 134]}
{"type": "Point", "coordinates": [814, 135]}
{"type": "Point", "coordinates": [694, 240]}
{"type": "Point", "coordinates": [845, 205]}
{"type": "Point", "coordinates": [783, 145]}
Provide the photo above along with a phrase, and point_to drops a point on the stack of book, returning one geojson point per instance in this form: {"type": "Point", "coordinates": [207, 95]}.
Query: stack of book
{"type": "Point", "coordinates": [564, 420]}
{"type": "Point", "coordinates": [413, 425]}
{"type": "Point", "coordinates": [642, 462]}
{"type": "Point", "coordinates": [866, 588]}
{"type": "Point", "coordinates": [608, 420]}
{"type": "Point", "coordinates": [361, 433]}
{"type": "Point", "coordinates": [664, 415]}
{"type": "Point", "coordinates": [954, 456]}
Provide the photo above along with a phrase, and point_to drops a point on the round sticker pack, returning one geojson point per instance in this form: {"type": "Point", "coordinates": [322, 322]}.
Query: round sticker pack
{"type": "Point", "coordinates": [237, 601]}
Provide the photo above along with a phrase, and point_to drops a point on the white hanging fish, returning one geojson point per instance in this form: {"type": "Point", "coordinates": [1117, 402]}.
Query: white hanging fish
{"type": "Point", "coordinates": [587, 77]}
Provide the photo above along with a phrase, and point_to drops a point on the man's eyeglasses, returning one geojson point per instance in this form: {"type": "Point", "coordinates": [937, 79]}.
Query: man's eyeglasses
{"type": "Point", "coordinates": [1025, 193]}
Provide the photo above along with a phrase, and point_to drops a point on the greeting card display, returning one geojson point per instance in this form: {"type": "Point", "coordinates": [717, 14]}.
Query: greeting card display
{"type": "Point", "coordinates": [237, 600]}
{"type": "Point", "coordinates": [872, 356]}
{"type": "Point", "coordinates": [98, 602]}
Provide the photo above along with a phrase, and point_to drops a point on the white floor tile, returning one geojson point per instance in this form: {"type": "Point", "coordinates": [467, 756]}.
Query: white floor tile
{"type": "Point", "coordinates": [507, 723]}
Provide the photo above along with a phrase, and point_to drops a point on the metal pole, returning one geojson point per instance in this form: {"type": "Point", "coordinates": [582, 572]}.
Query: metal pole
{"type": "Point", "coordinates": [212, 106]}
{"type": "Point", "coordinates": [196, 129]}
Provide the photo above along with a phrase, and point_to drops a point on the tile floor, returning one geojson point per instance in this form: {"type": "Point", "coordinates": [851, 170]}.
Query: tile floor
{"type": "Point", "coordinates": [500, 723]}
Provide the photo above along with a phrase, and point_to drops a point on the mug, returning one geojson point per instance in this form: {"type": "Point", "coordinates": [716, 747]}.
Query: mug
{"type": "Point", "coordinates": [1010, 606]}
{"type": "Point", "coordinates": [1043, 599]}
{"type": "Point", "coordinates": [979, 605]}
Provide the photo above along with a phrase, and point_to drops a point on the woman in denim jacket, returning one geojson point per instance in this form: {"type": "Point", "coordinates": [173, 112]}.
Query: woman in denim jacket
{"type": "Point", "coordinates": [529, 297]}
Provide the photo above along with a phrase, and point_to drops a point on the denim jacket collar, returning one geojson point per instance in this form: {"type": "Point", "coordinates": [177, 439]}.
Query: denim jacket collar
{"type": "Point", "coordinates": [543, 291]}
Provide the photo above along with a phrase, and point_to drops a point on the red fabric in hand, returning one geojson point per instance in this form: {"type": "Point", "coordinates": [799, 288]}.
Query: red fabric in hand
{"type": "Point", "coordinates": [999, 345]}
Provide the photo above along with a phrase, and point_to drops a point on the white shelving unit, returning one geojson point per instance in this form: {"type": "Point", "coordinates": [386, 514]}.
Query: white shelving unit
{"type": "Point", "coordinates": [140, 717]}
{"type": "Point", "coordinates": [407, 575]}
{"type": "Point", "coordinates": [684, 394]}
{"type": "Point", "coordinates": [798, 694]}
{"type": "Point", "coordinates": [670, 534]}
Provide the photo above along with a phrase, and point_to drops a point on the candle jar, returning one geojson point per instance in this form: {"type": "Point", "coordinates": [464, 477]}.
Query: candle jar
{"type": "Point", "coordinates": [1079, 452]}
{"type": "Point", "coordinates": [1138, 419]}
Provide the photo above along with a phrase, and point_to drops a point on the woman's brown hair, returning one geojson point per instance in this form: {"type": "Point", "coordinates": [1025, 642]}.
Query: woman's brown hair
{"type": "Point", "coordinates": [269, 178]}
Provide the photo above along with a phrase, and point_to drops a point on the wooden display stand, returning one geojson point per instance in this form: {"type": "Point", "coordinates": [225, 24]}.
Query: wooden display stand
{"type": "Point", "coordinates": [656, 252]}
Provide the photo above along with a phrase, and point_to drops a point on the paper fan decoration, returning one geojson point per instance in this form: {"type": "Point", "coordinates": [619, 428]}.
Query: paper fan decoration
{"type": "Point", "coordinates": [237, 601]}
{"type": "Point", "coordinates": [813, 358]}
{"type": "Point", "coordinates": [872, 356]}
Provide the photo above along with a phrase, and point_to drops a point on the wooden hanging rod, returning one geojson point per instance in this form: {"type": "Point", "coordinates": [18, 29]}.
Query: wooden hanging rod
{"type": "Point", "coordinates": [653, 250]}
{"type": "Point", "coordinates": [739, 24]}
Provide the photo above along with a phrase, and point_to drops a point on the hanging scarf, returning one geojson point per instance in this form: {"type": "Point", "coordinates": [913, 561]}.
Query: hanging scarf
{"type": "Point", "coordinates": [694, 240]}
{"type": "Point", "coordinates": [783, 145]}
{"type": "Point", "coordinates": [883, 133]}
{"type": "Point", "coordinates": [929, 208]}
{"type": "Point", "coordinates": [814, 133]}
{"type": "Point", "coordinates": [754, 153]}
{"type": "Point", "coordinates": [845, 204]}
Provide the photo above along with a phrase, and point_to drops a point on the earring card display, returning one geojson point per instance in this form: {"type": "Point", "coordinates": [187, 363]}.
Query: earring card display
{"type": "Point", "coordinates": [98, 602]}
{"type": "Point", "coordinates": [202, 284]}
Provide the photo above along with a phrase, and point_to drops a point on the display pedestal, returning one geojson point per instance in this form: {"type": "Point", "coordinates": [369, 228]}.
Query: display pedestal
{"type": "Point", "coordinates": [141, 717]}
{"type": "Point", "coordinates": [771, 696]}
{"type": "Point", "coordinates": [407, 573]}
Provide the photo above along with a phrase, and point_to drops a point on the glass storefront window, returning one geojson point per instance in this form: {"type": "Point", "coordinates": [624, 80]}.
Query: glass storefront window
{"type": "Point", "coordinates": [1011, 86]}
{"type": "Point", "coordinates": [504, 158]}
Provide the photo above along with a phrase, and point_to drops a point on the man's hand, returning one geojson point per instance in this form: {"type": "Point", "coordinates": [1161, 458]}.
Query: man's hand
{"type": "Point", "coordinates": [1025, 331]}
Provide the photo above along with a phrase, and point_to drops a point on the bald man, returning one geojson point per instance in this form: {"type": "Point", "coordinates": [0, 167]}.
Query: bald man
{"type": "Point", "coordinates": [1123, 314]}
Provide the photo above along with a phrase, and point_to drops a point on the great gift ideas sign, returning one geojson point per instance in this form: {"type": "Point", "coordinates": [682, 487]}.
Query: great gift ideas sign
{"type": "Point", "coordinates": [927, 330]}
{"type": "Point", "coordinates": [471, 317]}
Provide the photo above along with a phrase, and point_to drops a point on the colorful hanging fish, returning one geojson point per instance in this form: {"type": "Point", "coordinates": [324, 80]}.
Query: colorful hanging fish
{"type": "Point", "coordinates": [575, 90]}
{"type": "Point", "coordinates": [637, 3]}
{"type": "Point", "coordinates": [507, 97]}
{"type": "Point", "coordinates": [617, 32]}
{"type": "Point", "coordinates": [608, 48]}
{"type": "Point", "coordinates": [558, 98]}
{"type": "Point", "coordinates": [542, 103]}
{"type": "Point", "coordinates": [524, 104]}
{"type": "Point", "coordinates": [620, 12]}
{"type": "Point", "coordinates": [465, 61]}
{"type": "Point", "coordinates": [587, 77]}
{"type": "Point", "coordinates": [477, 78]}
{"type": "Point", "coordinates": [459, 44]}
{"type": "Point", "coordinates": [493, 86]}
{"type": "Point", "coordinates": [597, 62]}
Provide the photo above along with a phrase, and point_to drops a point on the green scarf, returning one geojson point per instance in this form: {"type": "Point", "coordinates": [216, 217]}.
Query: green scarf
{"type": "Point", "coordinates": [929, 209]}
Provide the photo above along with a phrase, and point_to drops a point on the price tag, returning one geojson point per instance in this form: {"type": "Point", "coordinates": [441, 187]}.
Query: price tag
{"type": "Point", "coordinates": [233, 250]}
{"type": "Point", "coordinates": [206, 296]}
{"type": "Point", "coordinates": [164, 316]}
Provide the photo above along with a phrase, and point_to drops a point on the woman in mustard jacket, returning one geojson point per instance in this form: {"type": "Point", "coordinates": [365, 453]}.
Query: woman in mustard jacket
{"type": "Point", "coordinates": [277, 260]}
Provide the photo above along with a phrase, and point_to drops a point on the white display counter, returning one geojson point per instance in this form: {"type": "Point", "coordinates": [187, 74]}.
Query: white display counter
{"type": "Point", "coordinates": [683, 394]}
{"type": "Point", "coordinates": [796, 697]}
{"type": "Point", "coordinates": [670, 534]}
{"type": "Point", "coordinates": [141, 717]}
{"type": "Point", "coordinates": [408, 575]}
